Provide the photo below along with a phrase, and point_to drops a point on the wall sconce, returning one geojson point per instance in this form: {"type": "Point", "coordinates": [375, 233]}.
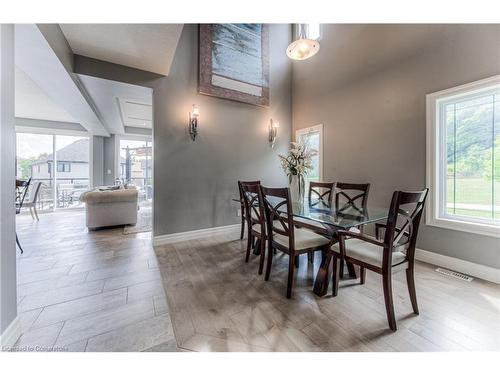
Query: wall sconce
{"type": "Point", "coordinates": [193, 122]}
{"type": "Point", "coordinates": [273, 131]}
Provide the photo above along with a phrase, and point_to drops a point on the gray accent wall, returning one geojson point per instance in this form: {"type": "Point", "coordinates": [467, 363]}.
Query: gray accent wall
{"type": "Point", "coordinates": [8, 296]}
{"type": "Point", "coordinates": [195, 181]}
{"type": "Point", "coordinates": [375, 121]}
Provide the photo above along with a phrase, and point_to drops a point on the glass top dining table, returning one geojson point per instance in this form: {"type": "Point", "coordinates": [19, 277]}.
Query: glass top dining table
{"type": "Point", "coordinates": [342, 217]}
{"type": "Point", "coordinates": [331, 219]}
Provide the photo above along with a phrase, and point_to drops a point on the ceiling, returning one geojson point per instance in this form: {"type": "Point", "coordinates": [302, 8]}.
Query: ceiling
{"type": "Point", "coordinates": [33, 103]}
{"type": "Point", "coordinates": [149, 47]}
{"type": "Point", "coordinates": [40, 53]}
{"type": "Point", "coordinates": [350, 52]}
{"type": "Point", "coordinates": [120, 104]}
{"type": "Point", "coordinates": [136, 114]}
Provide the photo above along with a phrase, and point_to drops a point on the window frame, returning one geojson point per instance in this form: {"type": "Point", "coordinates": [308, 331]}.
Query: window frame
{"type": "Point", "coordinates": [65, 167]}
{"type": "Point", "coordinates": [436, 154]}
{"type": "Point", "coordinates": [310, 129]}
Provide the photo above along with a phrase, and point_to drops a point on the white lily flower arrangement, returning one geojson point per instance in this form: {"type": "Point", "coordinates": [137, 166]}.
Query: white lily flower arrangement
{"type": "Point", "coordinates": [298, 163]}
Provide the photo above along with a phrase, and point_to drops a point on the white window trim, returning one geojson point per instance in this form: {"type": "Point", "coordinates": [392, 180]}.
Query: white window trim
{"type": "Point", "coordinates": [434, 156]}
{"type": "Point", "coordinates": [310, 129]}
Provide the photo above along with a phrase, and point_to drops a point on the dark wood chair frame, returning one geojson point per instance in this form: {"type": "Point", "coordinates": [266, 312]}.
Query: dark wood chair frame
{"type": "Point", "coordinates": [20, 196]}
{"type": "Point", "coordinates": [358, 200]}
{"type": "Point", "coordinates": [325, 196]}
{"type": "Point", "coordinates": [242, 205]}
{"type": "Point", "coordinates": [319, 192]}
{"type": "Point", "coordinates": [255, 216]}
{"type": "Point", "coordinates": [342, 189]}
{"type": "Point", "coordinates": [407, 233]}
{"type": "Point", "coordinates": [281, 222]}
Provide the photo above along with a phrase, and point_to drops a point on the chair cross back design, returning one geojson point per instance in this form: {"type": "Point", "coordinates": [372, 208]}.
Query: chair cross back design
{"type": "Point", "coordinates": [409, 229]}
{"type": "Point", "coordinates": [390, 254]}
{"type": "Point", "coordinates": [283, 236]}
{"type": "Point", "coordinates": [254, 208]}
{"type": "Point", "coordinates": [342, 189]}
{"type": "Point", "coordinates": [324, 197]}
{"type": "Point", "coordinates": [256, 219]}
{"type": "Point", "coordinates": [242, 204]}
{"type": "Point", "coordinates": [273, 213]}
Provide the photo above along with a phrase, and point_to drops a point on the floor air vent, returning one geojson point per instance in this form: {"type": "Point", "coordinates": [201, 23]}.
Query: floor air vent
{"type": "Point", "coordinates": [454, 274]}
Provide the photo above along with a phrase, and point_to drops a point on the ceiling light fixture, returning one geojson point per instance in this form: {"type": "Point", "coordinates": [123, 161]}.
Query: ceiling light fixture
{"type": "Point", "coordinates": [302, 48]}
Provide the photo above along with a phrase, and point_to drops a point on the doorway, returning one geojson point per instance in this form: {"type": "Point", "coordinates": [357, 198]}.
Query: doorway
{"type": "Point", "coordinates": [134, 166]}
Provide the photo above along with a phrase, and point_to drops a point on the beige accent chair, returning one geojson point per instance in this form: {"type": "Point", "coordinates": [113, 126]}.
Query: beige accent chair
{"type": "Point", "coordinates": [110, 207]}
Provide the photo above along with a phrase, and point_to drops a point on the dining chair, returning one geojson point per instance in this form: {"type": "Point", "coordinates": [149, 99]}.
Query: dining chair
{"type": "Point", "coordinates": [256, 220]}
{"type": "Point", "coordinates": [349, 196]}
{"type": "Point", "coordinates": [321, 192]}
{"type": "Point", "coordinates": [320, 195]}
{"type": "Point", "coordinates": [242, 204]}
{"type": "Point", "coordinates": [33, 199]}
{"type": "Point", "coordinates": [392, 253]}
{"type": "Point", "coordinates": [282, 234]}
{"type": "Point", "coordinates": [20, 197]}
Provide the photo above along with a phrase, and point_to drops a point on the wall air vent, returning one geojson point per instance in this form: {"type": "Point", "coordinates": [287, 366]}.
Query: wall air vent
{"type": "Point", "coordinates": [454, 274]}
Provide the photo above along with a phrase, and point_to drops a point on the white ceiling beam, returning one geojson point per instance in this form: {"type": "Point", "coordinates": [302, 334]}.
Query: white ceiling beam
{"type": "Point", "coordinates": [36, 56]}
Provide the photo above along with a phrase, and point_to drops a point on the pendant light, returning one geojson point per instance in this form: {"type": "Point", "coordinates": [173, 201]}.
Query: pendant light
{"type": "Point", "coordinates": [302, 48]}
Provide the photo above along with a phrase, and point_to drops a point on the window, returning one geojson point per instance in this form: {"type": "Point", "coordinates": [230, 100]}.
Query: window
{"type": "Point", "coordinates": [313, 138]}
{"type": "Point", "coordinates": [33, 152]}
{"type": "Point", "coordinates": [63, 166]}
{"type": "Point", "coordinates": [463, 157]}
{"type": "Point", "coordinates": [62, 183]}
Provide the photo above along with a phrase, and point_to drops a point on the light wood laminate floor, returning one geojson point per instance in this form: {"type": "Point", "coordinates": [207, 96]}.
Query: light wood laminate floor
{"type": "Point", "coordinates": [105, 291]}
{"type": "Point", "coordinates": [219, 303]}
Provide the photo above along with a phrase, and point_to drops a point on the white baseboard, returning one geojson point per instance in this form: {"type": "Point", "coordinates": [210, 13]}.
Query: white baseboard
{"type": "Point", "coordinates": [194, 234]}
{"type": "Point", "coordinates": [473, 269]}
{"type": "Point", "coordinates": [10, 335]}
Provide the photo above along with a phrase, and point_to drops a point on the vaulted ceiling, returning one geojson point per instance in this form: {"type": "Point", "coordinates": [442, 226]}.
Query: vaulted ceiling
{"type": "Point", "coordinates": [33, 103]}
{"type": "Point", "coordinates": [47, 87]}
{"type": "Point", "coordinates": [149, 47]}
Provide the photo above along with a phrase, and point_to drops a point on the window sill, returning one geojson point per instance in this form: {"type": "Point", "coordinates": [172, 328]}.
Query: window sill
{"type": "Point", "coordinates": [465, 226]}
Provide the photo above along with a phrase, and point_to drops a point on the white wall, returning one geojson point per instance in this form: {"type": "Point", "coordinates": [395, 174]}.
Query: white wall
{"type": "Point", "coordinates": [8, 296]}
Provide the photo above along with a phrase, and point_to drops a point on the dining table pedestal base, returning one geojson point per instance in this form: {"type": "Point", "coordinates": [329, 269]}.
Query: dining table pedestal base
{"type": "Point", "coordinates": [323, 276]}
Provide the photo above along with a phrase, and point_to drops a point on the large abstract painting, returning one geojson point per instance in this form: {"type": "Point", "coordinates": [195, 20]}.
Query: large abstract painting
{"type": "Point", "coordinates": [234, 62]}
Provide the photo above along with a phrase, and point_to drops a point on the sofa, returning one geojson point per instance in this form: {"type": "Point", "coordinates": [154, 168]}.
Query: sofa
{"type": "Point", "coordinates": [106, 207]}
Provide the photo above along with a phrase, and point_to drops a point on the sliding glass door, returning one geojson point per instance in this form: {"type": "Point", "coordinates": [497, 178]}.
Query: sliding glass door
{"type": "Point", "coordinates": [33, 154]}
{"type": "Point", "coordinates": [135, 165]}
{"type": "Point", "coordinates": [72, 171]}
{"type": "Point", "coordinates": [60, 162]}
